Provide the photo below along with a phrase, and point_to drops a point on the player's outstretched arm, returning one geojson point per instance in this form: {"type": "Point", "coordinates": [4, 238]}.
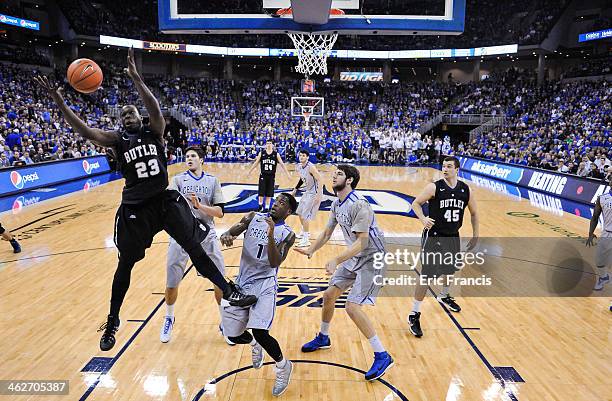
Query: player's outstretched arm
{"type": "Point", "coordinates": [321, 240]}
{"type": "Point", "coordinates": [156, 119]}
{"type": "Point", "coordinates": [230, 235]}
{"type": "Point", "coordinates": [594, 222]}
{"type": "Point", "coordinates": [100, 137]}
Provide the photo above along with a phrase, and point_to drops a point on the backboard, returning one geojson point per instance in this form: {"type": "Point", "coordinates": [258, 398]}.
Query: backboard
{"type": "Point", "coordinates": [362, 17]}
{"type": "Point", "coordinates": [307, 107]}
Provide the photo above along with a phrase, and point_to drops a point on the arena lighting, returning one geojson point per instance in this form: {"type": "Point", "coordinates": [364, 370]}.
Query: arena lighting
{"type": "Point", "coordinates": [343, 54]}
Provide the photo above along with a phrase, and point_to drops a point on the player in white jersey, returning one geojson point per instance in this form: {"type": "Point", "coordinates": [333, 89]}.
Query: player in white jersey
{"type": "Point", "coordinates": [353, 268]}
{"type": "Point", "coordinates": [311, 199]}
{"type": "Point", "coordinates": [603, 258]}
{"type": "Point", "coordinates": [267, 240]}
{"type": "Point", "coordinates": [204, 193]}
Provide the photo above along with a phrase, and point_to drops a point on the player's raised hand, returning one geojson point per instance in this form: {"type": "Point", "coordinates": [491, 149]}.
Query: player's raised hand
{"type": "Point", "coordinates": [131, 70]}
{"type": "Point", "coordinates": [227, 239]}
{"type": "Point", "coordinates": [271, 225]}
{"type": "Point", "coordinates": [428, 222]}
{"type": "Point", "coordinates": [589, 241]}
{"type": "Point", "coordinates": [195, 201]}
{"type": "Point", "coordinates": [55, 91]}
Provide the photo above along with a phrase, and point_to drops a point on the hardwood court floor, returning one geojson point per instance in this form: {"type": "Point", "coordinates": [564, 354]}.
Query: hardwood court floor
{"type": "Point", "coordinates": [56, 294]}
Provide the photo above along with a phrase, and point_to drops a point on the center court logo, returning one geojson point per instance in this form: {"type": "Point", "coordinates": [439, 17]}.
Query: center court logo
{"type": "Point", "coordinates": [89, 167]}
{"type": "Point", "coordinates": [242, 198]}
{"type": "Point", "coordinates": [19, 181]}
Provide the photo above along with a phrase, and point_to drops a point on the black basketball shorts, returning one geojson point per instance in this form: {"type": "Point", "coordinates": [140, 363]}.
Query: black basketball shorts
{"type": "Point", "coordinates": [440, 253]}
{"type": "Point", "coordinates": [136, 225]}
{"type": "Point", "coordinates": [266, 186]}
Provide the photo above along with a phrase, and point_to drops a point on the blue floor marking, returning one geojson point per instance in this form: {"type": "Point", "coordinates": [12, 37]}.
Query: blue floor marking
{"type": "Point", "coordinates": [98, 364]}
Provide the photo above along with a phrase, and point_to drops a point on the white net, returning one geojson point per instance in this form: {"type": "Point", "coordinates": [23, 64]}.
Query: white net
{"type": "Point", "coordinates": [313, 50]}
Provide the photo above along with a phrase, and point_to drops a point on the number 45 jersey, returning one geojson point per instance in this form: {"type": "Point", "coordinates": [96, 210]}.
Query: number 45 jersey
{"type": "Point", "coordinates": [447, 208]}
{"type": "Point", "coordinates": [142, 158]}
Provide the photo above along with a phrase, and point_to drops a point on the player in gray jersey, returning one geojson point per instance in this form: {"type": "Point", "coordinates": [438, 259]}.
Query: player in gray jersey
{"type": "Point", "coordinates": [203, 191]}
{"type": "Point", "coordinates": [311, 198]}
{"type": "Point", "coordinates": [267, 240]}
{"type": "Point", "coordinates": [353, 268]}
{"type": "Point", "coordinates": [603, 257]}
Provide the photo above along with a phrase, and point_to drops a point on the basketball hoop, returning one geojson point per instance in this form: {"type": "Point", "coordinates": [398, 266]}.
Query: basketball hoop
{"type": "Point", "coordinates": [307, 107]}
{"type": "Point", "coordinates": [312, 48]}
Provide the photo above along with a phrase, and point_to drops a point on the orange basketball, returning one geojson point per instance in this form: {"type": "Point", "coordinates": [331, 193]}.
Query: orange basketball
{"type": "Point", "coordinates": [85, 75]}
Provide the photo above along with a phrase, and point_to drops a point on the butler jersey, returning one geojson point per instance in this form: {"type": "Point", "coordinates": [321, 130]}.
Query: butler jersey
{"type": "Point", "coordinates": [254, 264]}
{"type": "Point", "coordinates": [142, 159]}
{"type": "Point", "coordinates": [447, 207]}
{"type": "Point", "coordinates": [267, 163]}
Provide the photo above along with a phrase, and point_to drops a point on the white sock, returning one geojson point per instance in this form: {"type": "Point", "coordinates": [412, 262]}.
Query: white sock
{"type": "Point", "coordinates": [416, 306]}
{"type": "Point", "coordinates": [253, 343]}
{"type": "Point", "coordinates": [324, 328]}
{"type": "Point", "coordinates": [444, 291]}
{"type": "Point", "coordinates": [170, 310]}
{"type": "Point", "coordinates": [221, 314]}
{"type": "Point", "coordinates": [306, 235]}
{"type": "Point", "coordinates": [282, 363]}
{"type": "Point", "coordinates": [376, 344]}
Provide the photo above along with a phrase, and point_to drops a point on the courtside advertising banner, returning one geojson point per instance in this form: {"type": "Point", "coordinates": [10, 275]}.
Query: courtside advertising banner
{"type": "Point", "coordinates": [21, 179]}
{"type": "Point", "coordinates": [549, 182]}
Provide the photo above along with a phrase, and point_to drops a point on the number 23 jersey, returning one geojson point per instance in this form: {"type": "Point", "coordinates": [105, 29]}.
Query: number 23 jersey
{"type": "Point", "coordinates": [142, 158]}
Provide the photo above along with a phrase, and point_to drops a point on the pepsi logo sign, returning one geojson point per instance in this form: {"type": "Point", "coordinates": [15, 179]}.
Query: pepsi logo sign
{"type": "Point", "coordinates": [89, 167]}
{"type": "Point", "coordinates": [19, 181]}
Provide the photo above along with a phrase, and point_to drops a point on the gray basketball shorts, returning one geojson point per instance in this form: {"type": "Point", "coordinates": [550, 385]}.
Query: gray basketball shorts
{"type": "Point", "coordinates": [603, 255]}
{"type": "Point", "coordinates": [178, 257]}
{"type": "Point", "coordinates": [237, 319]}
{"type": "Point", "coordinates": [308, 207]}
{"type": "Point", "coordinates": [360, 273]}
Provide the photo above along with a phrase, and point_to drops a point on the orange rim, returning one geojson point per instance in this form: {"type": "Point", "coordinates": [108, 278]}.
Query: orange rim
{"type": "Point", "coordinates": [289, 11]}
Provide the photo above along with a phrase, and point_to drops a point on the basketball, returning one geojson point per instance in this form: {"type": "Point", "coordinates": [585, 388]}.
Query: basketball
{"type": "Point", "coordinates": [85, 75]}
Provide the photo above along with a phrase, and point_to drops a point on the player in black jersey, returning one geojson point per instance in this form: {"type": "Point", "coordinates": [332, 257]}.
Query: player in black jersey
{"type": "Point", "coordinates": [147, 207]}
{"type": "Point", "coordinates": [447, 199]}
{"type": "Point", "coordinates": [268, 159]}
